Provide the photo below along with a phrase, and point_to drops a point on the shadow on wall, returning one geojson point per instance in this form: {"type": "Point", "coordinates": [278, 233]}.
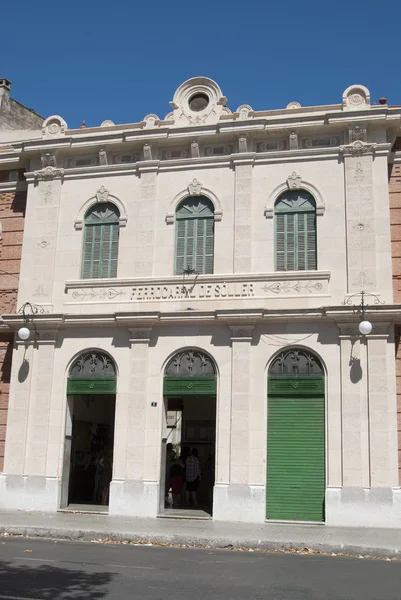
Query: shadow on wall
{"type": "Point", "coordinates": [47, 583]}
{"type": "Point", "coordinates": [23, 371]}
{"type": "Point", "coordinates": [355, 372]}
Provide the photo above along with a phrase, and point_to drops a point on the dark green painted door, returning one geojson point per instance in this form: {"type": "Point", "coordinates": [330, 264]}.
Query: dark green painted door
{"type": "Point", "coordinates": [296, 449]}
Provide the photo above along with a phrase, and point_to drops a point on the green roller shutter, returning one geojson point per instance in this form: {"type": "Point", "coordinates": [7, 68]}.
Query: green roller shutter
{"type": "Point", "coordinates": [296, 449]}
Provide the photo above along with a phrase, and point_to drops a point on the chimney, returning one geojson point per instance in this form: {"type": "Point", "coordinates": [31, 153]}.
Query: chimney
{"type": "Point", "coordinates": [5, 83]}
{"type": "Point", "coordinates": [5, 86]}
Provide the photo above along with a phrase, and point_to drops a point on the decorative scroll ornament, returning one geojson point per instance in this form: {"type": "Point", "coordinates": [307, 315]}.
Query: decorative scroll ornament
{"type": "Point", "coordinates": [293, 105]}
{"type": "Point", "coordinates": [195, 149]}
{"type": "Point", "coordinates": [243, 144]}
{"type": "Point", "coordinates": [102, 194]}
{"type": "Point", "coordinates": [294, 181]}
{"type": "Point", "coordinates": [356, 132]}
{"type": "Point", "coordinates": [150, 121]}
{"type": "Point", "coordinates": [195, 188]}
{"type": "Point", "coordinates": [93, 364]}
{"type": "Point", "coordinates": [103, 157]}
{"type": "Point", "coordinates": [356, 97]}
{"type": "Point", "coordinates": [190, 363]}
{"type": "Point", "coordinates": [53, 126]}
{"type": "Point", "coordinates": [147, 152]}
{"type": "Point", "coordinates": [48, 174]}
{"type": "Point", "coordinates": [48, 160]}
{"type": "Point", "coordinates": [296, 362]}
{"type": "Point", "coordinates": [245, 112]}
{"type": "Point", "coordinates": [357, 148]}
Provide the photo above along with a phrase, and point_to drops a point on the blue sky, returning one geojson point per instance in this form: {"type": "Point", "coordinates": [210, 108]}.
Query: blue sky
{"type": "Point", "coordinates": [88, 60]}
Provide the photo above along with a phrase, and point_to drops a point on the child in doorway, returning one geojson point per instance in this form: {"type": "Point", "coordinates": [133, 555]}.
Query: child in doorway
{"type": "Point", "coordinates": [176, 481]}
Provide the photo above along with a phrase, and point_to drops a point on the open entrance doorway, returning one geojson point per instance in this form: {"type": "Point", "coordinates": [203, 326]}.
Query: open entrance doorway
{"type": "Point", "coordinates": [189, 436]}
{"type": "Point", "coordinates": [88, 456]}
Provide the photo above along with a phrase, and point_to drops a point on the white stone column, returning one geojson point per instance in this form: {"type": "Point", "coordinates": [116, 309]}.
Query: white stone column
{"type": "Point", "coordinates": [243, 214]}
{"type": "Point", "coordinates": [238, 500]}
{"type": "Point", "coordinates": [130, 494]}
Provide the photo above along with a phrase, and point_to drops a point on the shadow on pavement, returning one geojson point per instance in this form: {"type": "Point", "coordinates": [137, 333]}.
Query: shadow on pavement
{"type": "Point", "coordinates": [51, 583]}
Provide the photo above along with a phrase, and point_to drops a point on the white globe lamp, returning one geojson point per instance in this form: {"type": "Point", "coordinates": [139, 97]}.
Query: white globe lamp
{"type": "Point", "coordinates": [24, 333]}
{"type": "Point", "coordinates": [365, 327]}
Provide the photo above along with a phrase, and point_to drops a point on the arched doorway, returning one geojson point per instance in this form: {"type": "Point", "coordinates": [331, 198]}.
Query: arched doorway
{"type": "Point", "coordinates": [88, 457]}
{"type": "Point", "coordinates": [296, 437]}
{"type": "Point", "coordinates": [189, 430]}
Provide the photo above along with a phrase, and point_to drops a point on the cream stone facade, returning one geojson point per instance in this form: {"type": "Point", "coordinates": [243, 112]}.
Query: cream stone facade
{"type": "Point", "coordinates": [241, 315]}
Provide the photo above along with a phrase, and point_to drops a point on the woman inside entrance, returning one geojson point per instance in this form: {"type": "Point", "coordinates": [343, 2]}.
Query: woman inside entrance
{"type": "Point", "coordinates": [192, 477]}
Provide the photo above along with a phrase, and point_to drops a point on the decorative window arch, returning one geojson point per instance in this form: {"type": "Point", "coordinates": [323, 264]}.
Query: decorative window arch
{"type": "Point", "coordinates": [194, 236]}
{"type": "Point", "coordinates": [92, 372]}
{"type": "Point", "coordinates": [101, 235]}
{"type": "Point", "coordinates": [194, 188]}
{"type": "Point", "coordinates": [190, 372]}
{"type": "Point", "coordinates": [296, 362]}
{"type": "Point", "coordinates": [295, 231]}
{"type": "Point", "coordinates": [190, 363]}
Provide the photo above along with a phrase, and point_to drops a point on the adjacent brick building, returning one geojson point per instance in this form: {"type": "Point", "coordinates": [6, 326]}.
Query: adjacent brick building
{"type": "Point", "coordinates": [16, 120]}
{"type": "Point", "coordinates": [395, 211]}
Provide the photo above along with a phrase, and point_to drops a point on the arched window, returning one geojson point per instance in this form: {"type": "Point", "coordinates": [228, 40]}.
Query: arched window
{"type": "Point", "coordinates": [295, 221]}
{"type": "Point", "coordinates": [100, 253]}
{"type": "Point", "coordinates": [194, 236]}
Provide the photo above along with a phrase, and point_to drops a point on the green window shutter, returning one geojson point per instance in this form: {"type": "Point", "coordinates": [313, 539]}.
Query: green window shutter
{"type": "Point", "coordinates": [280, 243]}
{"type": "Point", "coordinates": [209, 246]}
{"type": "Point", "coordinates": [194, 241]}
{"type": "Point", "coordinates": [180, 247]}
{"type": "Point", "coordinates": [295, 232]}
{"type": "Point", "coordinates": [311, 253]}
{"type": "Point", "coordinates": [290, 242]}
{"type": "Point", "coordinates": [101, 235]}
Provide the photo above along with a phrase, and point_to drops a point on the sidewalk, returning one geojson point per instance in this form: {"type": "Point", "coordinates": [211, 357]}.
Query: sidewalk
{"type": "Point", "coordinates": [269, 536]}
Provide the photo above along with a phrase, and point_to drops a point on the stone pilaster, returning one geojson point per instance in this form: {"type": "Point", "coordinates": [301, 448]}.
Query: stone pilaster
{"type": "Point", "coordinates": [39, 417]}
{"type": "Point", "coordinates": [240, 499]}
{"type": "Point", "coordinates": [135, 449]}
{"type": "Point", "coordinates": [382, 407]}
{"type": "Point", "coordinates": [145, 210]}
{"type": "Point", "coordinates": [360, 216]}
{"type": "Point", "coordinates": [40, 236]}
{"type": "Point", "coordinates": [369, 495]}
{"type": "Point", "coordinates": [241, 338]}
{"type": "Point", "coordinates": [20, 390]}
{"type": "Point", "coordinates": [355, 431]}
{"type": "Point", "coordinates": [243, 214]}
{"type": "Point", "coordinates": [32, 481]}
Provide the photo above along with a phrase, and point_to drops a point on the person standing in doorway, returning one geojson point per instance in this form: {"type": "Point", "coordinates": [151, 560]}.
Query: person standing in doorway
{"type": "Point", "coordinates": [186, 451]}
{"type": "Point", "coordinates": [170, 457]}
{"type": "Point", "coordinates": [192, 477]}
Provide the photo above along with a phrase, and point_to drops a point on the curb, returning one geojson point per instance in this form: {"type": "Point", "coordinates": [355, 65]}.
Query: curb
{"type": "Point", "coordinates": [307, 547]}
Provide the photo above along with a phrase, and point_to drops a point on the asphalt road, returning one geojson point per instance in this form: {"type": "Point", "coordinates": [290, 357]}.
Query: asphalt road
{"type": "Point", "coordinates": [47, 570]}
